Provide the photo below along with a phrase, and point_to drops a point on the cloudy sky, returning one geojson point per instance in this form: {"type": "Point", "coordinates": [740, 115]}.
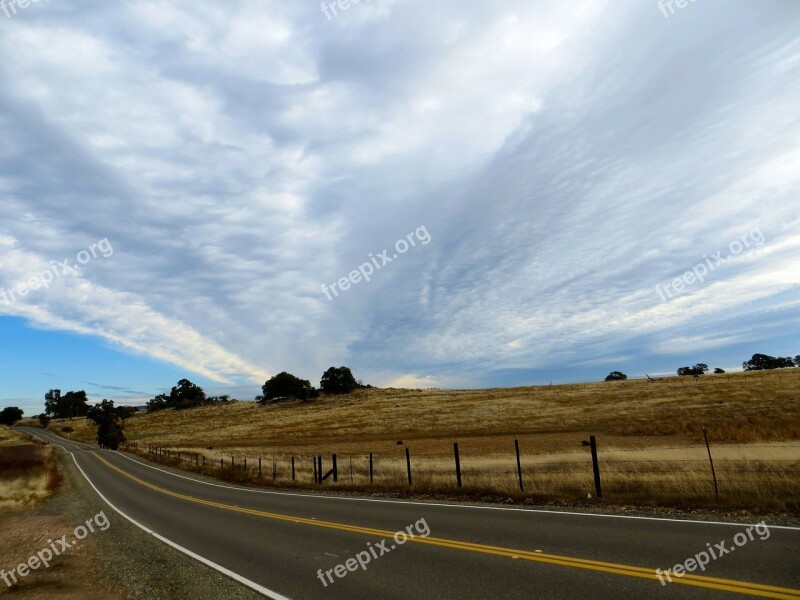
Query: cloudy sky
{"type": "Point", "coordinates": [206, 167]}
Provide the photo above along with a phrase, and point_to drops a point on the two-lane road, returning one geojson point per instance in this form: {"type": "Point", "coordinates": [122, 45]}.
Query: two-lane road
{"type": "Point", "coordinates": [283, 543]}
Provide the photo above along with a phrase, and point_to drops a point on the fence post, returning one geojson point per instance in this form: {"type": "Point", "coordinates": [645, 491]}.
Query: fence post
{"type": "Point", "coordinates": [259, 466]}
{"type": "Point", "coordinates": [293, 468]}
{"type": "Point", "coordinates": [595, 466]}
{"type": "Point", "coordinates": [245, 464]}
{"type": "Point", "coordinates": [458, 464]}
{"type": "Point", "coordinates": [519, 465]}
{"type": "Point", "coordinates": [233, 463]}
{"type": "Point", "coordinates": [370, 468]}
{"type": "Point", "coordinates": [711, 460]}
{"type": "Point", "coordinates": [408, 466]}
{"type": "Point", "coordinates": [314, 460]}
{"type": "Point", "coordinates": [335, 469]}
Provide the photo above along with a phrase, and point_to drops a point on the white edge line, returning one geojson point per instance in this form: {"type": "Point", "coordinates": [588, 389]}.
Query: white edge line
{"type": "Point", "coordinates": [235, 576]}
{"type": "Point", "coordinates": [448, 505]}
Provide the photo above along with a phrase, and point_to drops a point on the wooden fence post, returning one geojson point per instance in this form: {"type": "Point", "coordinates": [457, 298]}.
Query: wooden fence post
{"type": "Point", "coordinates": [314, 460]}
{"type": "Point", "coordinates": [370, 468]}
{"type": "Point", "coordinates": [519, 465]}
{"type": "Point", "coordinates": [595, 466]}
{"type": "Point", "coordinates": [259, 466]}
{"type": "Point", "coordinates": [293, 468]}
{"type": "Point", "coordinates": [458, 464]}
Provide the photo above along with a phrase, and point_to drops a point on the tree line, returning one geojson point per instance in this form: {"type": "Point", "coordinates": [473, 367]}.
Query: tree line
{"type": "Point", "coordinates": [759, 362]}
{"type": "Point", "coordinates": [336, 380]}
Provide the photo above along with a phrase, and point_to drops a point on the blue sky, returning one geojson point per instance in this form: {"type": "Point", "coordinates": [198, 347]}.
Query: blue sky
{"type": "Point", "coordinates": [208, 167]}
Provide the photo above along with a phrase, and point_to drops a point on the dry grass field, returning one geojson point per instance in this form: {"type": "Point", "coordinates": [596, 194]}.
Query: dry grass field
{"type": "Point", "coordinates": [649, 437]}
{"type": "Point", "coordinates": [28, 472]}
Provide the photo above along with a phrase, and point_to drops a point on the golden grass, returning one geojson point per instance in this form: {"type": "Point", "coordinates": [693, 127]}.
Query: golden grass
{"type": "Point", "coordinates": [29, 472]}
{"type": "Point", "coordinates": [649, 433]}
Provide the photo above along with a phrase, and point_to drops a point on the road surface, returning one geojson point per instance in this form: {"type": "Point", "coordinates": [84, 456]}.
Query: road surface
{"type": "Point", "coordinates": [290, 545]}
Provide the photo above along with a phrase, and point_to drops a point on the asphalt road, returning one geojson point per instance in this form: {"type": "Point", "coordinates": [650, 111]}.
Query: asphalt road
{"type": "Point", "coordinates": [283, 543]}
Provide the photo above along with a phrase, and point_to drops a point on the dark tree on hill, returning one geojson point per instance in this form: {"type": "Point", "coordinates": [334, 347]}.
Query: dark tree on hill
{"type": "Point", "coordinates": [51, 400]}
{"type": "Point", "coordinates": [10, 415]}
{"type": "Point", "coordinates": [764, 362]}
{"type": "Point", "coordinates": [68, 406]}
{"type": "Point", "coordinates": [286, 385]}
{"type": "Point", "coordinates": [719, 371]}
{"type": "Point", "coordinates": [186, 395]}
{"type": "Point", "coordinates": [125, 412]}
{"type": "Point", "coordinates": [109, 428]}
{"type": "Point", "coordinates": [44, 420]}
{"type": "Point", "coordinates": [338, 381]}
{"type": "Point", "coordinates": [616, 376]}
{"type": "Point", "coordinates": [698, 369]}
{"type": "Point", "coordinates": [160, 402]}
{"type": "Point", "coordinates": [75, 404]}
{"type": "Point", "coordinates": [797, 361]}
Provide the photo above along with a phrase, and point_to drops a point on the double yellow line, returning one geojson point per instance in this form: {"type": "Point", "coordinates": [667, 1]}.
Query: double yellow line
{"type": "Point", "coordinates": [728, 585]}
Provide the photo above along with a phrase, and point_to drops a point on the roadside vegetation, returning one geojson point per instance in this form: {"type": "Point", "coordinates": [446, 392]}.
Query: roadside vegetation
{"type": "Point", "coordinates": [29, 472]}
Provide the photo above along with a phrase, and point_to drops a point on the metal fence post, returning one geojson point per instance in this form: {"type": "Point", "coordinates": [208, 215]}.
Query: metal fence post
{"type": "Point", "coordinates": [711, 460]}
{"type": "Point", "coordinates": [408, 466]}
{"type": "Point", "coordinates": [595, 466]}
{"type": "Point", "coordinates": [458, 464]}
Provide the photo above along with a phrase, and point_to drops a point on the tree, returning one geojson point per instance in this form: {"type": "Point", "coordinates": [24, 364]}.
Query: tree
{"type": "Point", "coordinates": [68, 406]}
{"type": "Point", "coordinates": [719, 371]}
{"type": "Point", "coordinates": [10, 415]}
{"type": "Point", "coordinates": [186, 395]}
{"type": "Point", "coordinates": [44, 420]}
{"type": "Point", "coordinates": [765, 362]}
{"type": "Point", "coordinates": [74, 404]}
{"type": "Point", "coordinates": [109, 429]}
{"type": "Point", "coordinates": [125, 412]}
{"type": "Point", "coordinates": [698, 369]}
{"type": "Point", "coordinates": [51, 400]}
{"type": "Point", "coordinates": [338, 381]}
{"type": "Point", "coordinates": [160, 402]}
{"type": "Point", "coordinates": [616, 376]}
{"type": "Point", "coordinates": [797, 361]}
{"type": "Point", "coordinates": [286, 385]}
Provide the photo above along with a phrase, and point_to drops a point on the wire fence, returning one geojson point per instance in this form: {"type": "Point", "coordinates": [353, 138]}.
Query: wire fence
{"type": "Point", "coordinates": [615, 474]}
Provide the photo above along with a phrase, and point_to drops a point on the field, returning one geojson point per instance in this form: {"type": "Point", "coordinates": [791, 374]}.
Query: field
{"type": "Point", "coordinates": [649, 435]}
{"type": "Point", "coordinates": [28, 472]}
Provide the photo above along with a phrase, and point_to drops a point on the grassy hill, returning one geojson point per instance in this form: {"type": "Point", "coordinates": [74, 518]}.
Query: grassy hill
{"type": "Point", "coordinates": [736, 408]}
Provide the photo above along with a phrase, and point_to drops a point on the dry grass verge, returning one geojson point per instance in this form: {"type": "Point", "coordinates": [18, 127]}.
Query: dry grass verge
{"type": "Point", "coordinates": [29, 472]}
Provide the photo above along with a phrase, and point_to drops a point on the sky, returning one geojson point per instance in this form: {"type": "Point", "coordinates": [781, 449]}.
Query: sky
{"type": "Point", "coordinates": [435, 194]}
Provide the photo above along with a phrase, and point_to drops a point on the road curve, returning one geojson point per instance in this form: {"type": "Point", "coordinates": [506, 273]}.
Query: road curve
{"type": "Point", "coordinates": [282, 544]}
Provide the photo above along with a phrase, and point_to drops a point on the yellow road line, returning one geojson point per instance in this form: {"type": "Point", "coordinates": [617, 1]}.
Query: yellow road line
{"type": "Point", "coordinates": [729, 585]}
